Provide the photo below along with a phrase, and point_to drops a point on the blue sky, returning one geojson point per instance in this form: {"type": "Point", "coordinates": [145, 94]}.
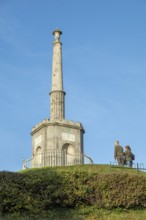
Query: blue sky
{"type": "Point", "coordinates": [104, 68]}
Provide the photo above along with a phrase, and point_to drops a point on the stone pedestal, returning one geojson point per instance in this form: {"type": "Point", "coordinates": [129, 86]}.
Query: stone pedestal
{"type": "Point", "coordinates": [57, 143]}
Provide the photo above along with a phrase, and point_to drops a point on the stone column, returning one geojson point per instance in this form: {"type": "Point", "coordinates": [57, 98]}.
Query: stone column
{"type": "Point", "coordinates": [57, 108]}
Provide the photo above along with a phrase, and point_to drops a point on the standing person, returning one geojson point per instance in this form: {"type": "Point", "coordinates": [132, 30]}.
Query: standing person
{"type": "Point", "coordinates": [118, 153]}
{"type": "Point", "coordinates": [128, 156]}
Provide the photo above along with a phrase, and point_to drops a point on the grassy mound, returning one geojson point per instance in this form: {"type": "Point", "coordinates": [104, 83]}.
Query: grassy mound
{"type": "Point", "coordinates": [56, 193]}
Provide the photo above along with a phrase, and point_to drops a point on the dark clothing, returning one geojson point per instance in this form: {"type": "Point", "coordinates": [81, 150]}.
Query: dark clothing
{"type": "Point", "coordinates": [120, 160]}
{"type": "Point", "coordinates": [118, 151]}
{"type": "Point", "coordinates": [118, 154]}
{"type": "Point", "coordinates": [128, 157]}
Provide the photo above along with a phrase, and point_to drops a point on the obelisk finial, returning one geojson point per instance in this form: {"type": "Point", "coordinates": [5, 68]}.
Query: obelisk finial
{"type": "Point", "coordinates": [57, 34]}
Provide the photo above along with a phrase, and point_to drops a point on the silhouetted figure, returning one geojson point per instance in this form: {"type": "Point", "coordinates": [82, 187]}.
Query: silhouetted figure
{"type": "Point", "coordinates": [128, 156]}
{"type": "Point", "coordinates": [118, 153]}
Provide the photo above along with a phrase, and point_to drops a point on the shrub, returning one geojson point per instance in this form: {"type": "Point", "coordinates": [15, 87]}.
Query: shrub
{"type": "Point", "coordinates": [38, 191]}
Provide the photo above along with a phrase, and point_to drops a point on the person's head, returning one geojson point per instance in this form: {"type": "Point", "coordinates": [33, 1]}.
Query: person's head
{"type": "Point", "coordinates": [127, 147]}
{"type": "Point", "coordinates": [116, 143]}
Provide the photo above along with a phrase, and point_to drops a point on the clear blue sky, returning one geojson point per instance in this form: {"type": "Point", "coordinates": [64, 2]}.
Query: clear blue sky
{"type": "Point", "coordinates": [104, 68]}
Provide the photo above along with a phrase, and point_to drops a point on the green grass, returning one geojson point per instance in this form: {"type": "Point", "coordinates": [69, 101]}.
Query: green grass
{"type": "Point", "coordinates": [94, 168]}
{"type": "Point", "coordinates": [86, 213]}
{"type": "Point", "coordinates": [101, 214]}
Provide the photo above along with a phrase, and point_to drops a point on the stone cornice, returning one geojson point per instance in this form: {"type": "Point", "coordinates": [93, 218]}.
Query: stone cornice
{"type": "Point", "coordinates": [57, 91]}
{"type": "Point", "coordinates": [63, 123]}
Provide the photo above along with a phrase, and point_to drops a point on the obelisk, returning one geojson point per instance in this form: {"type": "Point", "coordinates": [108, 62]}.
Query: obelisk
{"type": "Point", "coordinates": [57, 108]}
{"type": "Point", "coordinates": [57, 141]}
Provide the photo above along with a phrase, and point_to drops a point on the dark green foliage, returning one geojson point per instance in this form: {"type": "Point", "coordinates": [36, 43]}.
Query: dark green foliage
{"type": "Point", "coordinates": [39, 191]}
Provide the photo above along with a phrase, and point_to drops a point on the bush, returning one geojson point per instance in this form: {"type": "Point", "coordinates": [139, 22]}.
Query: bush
{"type": "Point", "coordinates": [38, 191]}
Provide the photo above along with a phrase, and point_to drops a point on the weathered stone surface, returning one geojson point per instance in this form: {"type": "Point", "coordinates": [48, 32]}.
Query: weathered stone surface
{"type": "Point", "coordinates": [57, 142]}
